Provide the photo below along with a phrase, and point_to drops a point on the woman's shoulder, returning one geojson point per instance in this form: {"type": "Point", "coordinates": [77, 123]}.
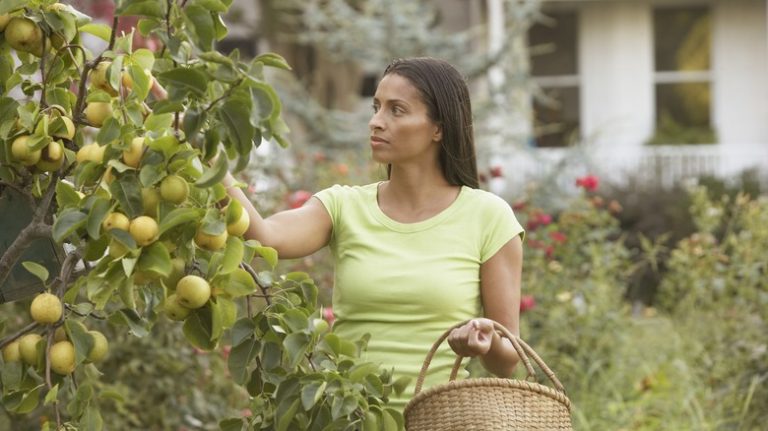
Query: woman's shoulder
{"type": "Point", "coordinates": [482, 199]}
{"type": "Point", "coordinates": [350, 190]}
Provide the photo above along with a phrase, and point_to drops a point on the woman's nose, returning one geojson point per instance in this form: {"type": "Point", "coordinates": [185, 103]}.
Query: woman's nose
{"type": "Point", "coordinates": [375, 121]}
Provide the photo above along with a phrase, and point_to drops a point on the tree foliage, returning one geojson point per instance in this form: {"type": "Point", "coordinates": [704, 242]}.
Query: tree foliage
{"type": "Point", "coordinates": [120, 155]}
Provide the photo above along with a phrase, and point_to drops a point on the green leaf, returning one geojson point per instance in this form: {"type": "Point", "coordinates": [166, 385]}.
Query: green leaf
{"type": "Point", "coordinates": [269, 255]}
{"type": "Point", "coordinates": [81, 339]}
{"type": "Point", "coordinates": [359, 372]}
{"type": "Point", "coordinates": [242, 330]}
{"type": "Point", "coordinates": [311, 394]}
{"type": "Point", "coordinates": [52, 395]}
{"type": "Point", "coordinates": [23, 402]}
{"type": "Point", "coordinates": [167, 106]}
{"type": "Point", "coordinates": [214, 174]}
{"type": "Point", "coordinates": [296, 320]}
{"type": "Point", "coordinates": [371, 421]}
{"type": "Point", "coordinates": [141, 82]}
{"type": "Point", "coordinates": [239, 283]}
{"type": "Point", "coordinates": [67, 223]}
{"type": "Point", "coordinates": [239, 358]}
{"type": "Point", "coordinates": [296, 346]}
{"type": "Point", "coordinates": [198, 328]}
{"type": "Point", "coordinates": [96, 216]}
{"type": "Point", "coordinates": [232, 424]}
{"type": "Point", "coordinates": [109, 132]}
{"type": "Point", "coordinates": [213, 5]}
{"type": "Point", "coordinates": [235, 114]}
{"type": "Point", "coordinates": [151, 8]}
{"type": "Point", "coordinates": [91, 420]}
{"type": "Point", "coordinates": [11, 5]}
{"type": "Point", "coordinates": [155, 259]}
{"type": "Point", "coordinates": [273, 60]}
{"type": "Point", "coordinates": [388, 422]}
{"type": "Point", "coordinates": [37, 270]}
{"type": "Point", "coordinates": [102, 31]}
{"type": "Point", "coordinates": [157, 122]}
{"type": "Point", "coordinates": [136, 324]}
{"type": "Point", "coordinates": [284, 421]}
{"type": "Point", "coordinates": [185, 81]}
{"type": "Point", "coordinates": [127, 191]}
{"type": "Point", "coordinates": [202, 26]}
{"type": "Point", "coordinates": [180, 216]}
{"type": "Point", "coordinates": [233, 255]}
{"type": "Point", "coordinates": [143, 58]}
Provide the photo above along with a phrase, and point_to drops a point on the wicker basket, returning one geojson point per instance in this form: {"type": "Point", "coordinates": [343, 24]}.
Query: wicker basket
{"type": "Point", "coordinates": [489, 404]}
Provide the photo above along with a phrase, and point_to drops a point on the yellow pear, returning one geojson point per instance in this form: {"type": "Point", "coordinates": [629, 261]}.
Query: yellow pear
{"type": "Point", "coordinates": [210, 242]}
{"type": "Point", "coordinates": [28, 348]}
{"type": "Point", "coordinates": [193, 291]}
{"type": "Point", "coordinates": [22, 153]}
{"type": "Point", "coordinates": [97, 113]}
{"type": "Point", "coordinates": [23, 34]}
{"type": "Point", "coordinates": [144, 230]}
{"type": "Point", "coordinates": [62, 356]}
{"type": "Point", "coordinates": [46, 308]}
{"type": "Point", "coordinates": [116, 220]}
{"type": "Point", "coordinates": [11, 352]}
{"type": "Point", "coordinates": [51, 157]}
{"type": "Point", "coordinates": [132, 156]}
{"type": "Point", "coordinates": [100, 347]}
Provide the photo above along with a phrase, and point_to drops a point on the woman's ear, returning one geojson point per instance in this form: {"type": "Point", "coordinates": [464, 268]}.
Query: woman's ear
{"type": "Point", "coordinates": [438, 135]}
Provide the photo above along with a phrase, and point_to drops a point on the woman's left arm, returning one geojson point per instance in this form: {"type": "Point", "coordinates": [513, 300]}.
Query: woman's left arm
{"type": "Point", "coordinates": [500, 290]}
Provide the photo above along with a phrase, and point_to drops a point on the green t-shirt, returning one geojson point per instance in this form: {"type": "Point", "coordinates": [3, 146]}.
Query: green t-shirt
{"type": "Point", "coordinates": [406, 283]}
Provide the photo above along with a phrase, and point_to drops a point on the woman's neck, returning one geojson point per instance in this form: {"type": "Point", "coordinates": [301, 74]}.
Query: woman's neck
{"type": "Point", "coordinates": [412, 195]}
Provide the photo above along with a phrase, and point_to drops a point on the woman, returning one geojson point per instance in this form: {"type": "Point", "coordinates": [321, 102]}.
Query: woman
{"type": "Point", "coordinates": [423, 250]}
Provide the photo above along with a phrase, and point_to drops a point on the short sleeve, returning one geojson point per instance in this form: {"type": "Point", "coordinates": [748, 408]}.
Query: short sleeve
{"type": "Point", "coordinates": [331, 199]}
{"type": "Point", "coordinates": [500, 226]}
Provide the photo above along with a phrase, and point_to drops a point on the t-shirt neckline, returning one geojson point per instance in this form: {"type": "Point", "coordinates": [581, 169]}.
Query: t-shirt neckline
{"type": "Point", "coordinates": [416, 226]}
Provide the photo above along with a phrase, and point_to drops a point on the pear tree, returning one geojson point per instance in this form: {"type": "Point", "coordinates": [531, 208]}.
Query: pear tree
{"type": "Point", "coordinates": [119, 154]}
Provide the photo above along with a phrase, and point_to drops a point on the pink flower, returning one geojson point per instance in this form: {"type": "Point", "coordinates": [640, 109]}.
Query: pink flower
{"type": "Point", "coordinates": [588, 183]}
{"type": "Point", "coordinates": [298, 198]}
{"type": "Point", "coordinates": [527, 302]}
{"type": "Point", "coordinates": [328, 315]}
{"type": "Point", "coordinates": [558, 237]}
{"type": "Point", "coordinates": [496, 172]}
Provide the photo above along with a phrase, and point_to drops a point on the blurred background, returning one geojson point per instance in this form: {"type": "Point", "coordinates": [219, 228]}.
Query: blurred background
{"type": "Point", "coordinates": [631, 139]}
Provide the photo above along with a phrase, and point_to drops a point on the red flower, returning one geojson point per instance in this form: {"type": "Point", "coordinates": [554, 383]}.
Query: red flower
{"type": "Point", "coordinates": [328, 315]}
{"type": "Point", "coordinates": [298, 198]}
{"type": "Point", "coordinates": [588, 183]}
{"type": "Point", "coordinates": [549, 251]}
{"type": "Point", "coordinates": [558, 237]}
{"type": "Point", "coordinates": [496, 172]}
{"type": "Point", "coordinates": [527, 302]}
{"type": "Point", "coordinates": [543, 219]}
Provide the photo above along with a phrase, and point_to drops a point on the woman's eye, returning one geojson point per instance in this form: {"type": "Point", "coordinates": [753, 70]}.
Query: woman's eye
{"type": "Point", "coordinates": [397, 110]}
{"type": "Point", "coordinates": [375, 108]}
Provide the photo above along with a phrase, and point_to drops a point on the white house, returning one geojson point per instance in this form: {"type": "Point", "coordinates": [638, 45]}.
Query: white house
{"type": "Point", "coordinates": [624, 72]}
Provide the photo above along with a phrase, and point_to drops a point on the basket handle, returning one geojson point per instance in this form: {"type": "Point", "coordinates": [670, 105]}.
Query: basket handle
{"type": "Point", "coordinates": [524, 352]}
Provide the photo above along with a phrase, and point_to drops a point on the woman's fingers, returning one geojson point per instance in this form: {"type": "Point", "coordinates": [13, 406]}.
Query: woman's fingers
{"type": "Point", "coordinates": [471, 339]}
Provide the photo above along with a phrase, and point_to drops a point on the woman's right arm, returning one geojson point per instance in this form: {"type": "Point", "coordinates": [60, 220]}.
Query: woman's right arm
{"type": "Point", "coordinates": [293, 233]}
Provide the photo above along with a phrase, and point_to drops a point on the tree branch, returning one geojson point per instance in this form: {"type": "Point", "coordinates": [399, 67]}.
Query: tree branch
{"type": "Point", "coordinates": [34, 230]}
{"type": "Point", "coordinates": [264, 289]}
{"type": "Point", "coordinates": [29, 328]}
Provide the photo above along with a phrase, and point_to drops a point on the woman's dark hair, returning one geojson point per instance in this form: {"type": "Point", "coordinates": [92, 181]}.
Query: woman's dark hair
{"type": "Point", "coordinates": [444, 91]}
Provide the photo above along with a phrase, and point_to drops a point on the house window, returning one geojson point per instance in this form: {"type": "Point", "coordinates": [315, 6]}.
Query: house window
{"type": "Point", "coordinates": [683, 79]}
{"type": "Point", "coordinates": [555, 69]}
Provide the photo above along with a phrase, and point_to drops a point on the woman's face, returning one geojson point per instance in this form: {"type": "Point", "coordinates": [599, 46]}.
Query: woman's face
{"type": "Point", "coordinates": [401, 130]}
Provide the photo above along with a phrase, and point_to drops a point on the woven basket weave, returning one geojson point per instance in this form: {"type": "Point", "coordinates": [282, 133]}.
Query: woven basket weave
{"type": "Point", "coordinates": [489, 404]}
